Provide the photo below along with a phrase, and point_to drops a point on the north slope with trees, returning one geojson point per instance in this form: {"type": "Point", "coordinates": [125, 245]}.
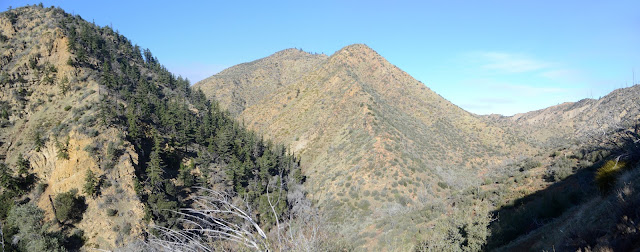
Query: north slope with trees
{"type": "Point", "coordinates": [111, 146]}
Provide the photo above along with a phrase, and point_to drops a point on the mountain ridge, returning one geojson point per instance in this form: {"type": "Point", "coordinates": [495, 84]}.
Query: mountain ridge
{"type": "Point", "coordinates": [356, 119]}
{"type": "Point", "coordinates": [289, 62]}
{"type": "Point", "coordinates": [101, 145]}
{"type": "Point", "coordinates": [369, 134]}
{"type": "Point", "coordinates": [577, 121]}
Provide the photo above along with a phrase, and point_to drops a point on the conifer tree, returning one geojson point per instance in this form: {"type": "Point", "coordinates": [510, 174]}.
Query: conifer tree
{"type": "Point", "coordinates": [223, 143]}
{"type": "Point", "coordinates": [91, 184]}
{"type": "Point", "coordinates": [185, 175]}
{"type": "Point", "coordinates": [64, 84]}
{"type": "Point", "coordinates": [63, 149]}
{"type": "Point", "coordinates": [132, 120]}
{"type": "Point", "coordinates": [38, 141]}
{"type": "Point", "coordinates": [155, 167]}
{"type": "Point", "coordinates": [23, 166]}
{"type": "Point", "coordinates": [6, 179]}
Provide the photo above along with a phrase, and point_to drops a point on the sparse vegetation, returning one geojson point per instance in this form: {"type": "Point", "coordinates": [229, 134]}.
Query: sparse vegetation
{"type": "Point", "coordinates": [395, 167]}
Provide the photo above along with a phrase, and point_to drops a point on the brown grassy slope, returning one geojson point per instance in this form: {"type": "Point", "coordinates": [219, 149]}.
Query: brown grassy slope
{"type": "Point", "coordinates": [582, 120]}
{"type": "Point", "coordinates": [363, 127]}
{"type": "Point", "coordinates": [35, 104]}
{"type": "Point", "coordinates": [597, 222]}
{"type": "Point", "coordinates": [246, 84]}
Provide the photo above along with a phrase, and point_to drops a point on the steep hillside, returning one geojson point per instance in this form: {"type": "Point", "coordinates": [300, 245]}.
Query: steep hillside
{"type": "Point", "coordinates": [372, 139]}
{"type": "Point", "coordinates": [590, 206]}
{"type": "Point", "coordinates": [394, 162]}
{"type": "Point", "coordinates": [49, 110]}
{"type": "Point", "coordinates": [577, 121]}
{"type": "Point", "coordinates": [101, 147]}
{"type": "Point", "coordinates": [100, 142]}
{"type": "Point", "coordinates": [247, 84]}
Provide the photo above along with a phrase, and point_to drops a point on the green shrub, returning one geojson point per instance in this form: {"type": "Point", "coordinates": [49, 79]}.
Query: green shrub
{"type": "Point", "coordinates": [126, 228]}
{"type": "Point", "coordinates": [112, 212]}
{"type": "Point", "coordinates": [529, 164]}
{"type": "Point", "coordinates": [63, 149]}
{"type": "Point", "coordinates": [92, 149]}
{"type": "Point", "coordinates": [40, 188]}
{"type": "Point", "coordinates": [69, 207]}
{"type": "Point", "coordinates": [31, 231]}
{"type": "Point", "coordinates": [364, 204]}
{"type": "Point", "coordinates": [561, 169]}
{"type": "Point", "coordinates": [607, 174]}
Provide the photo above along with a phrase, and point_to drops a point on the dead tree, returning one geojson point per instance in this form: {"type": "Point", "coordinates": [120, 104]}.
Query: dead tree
{"type": "Point", "coordinates": [214, 217]}
{"type": "Point", "coordinates": [1, 237]}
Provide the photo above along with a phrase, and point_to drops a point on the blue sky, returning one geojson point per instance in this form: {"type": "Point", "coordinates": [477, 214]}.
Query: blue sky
{"type": "Point", "coordinates": [501, 57]}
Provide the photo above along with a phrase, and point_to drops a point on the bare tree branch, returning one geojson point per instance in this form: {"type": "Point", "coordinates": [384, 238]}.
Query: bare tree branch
{"type": "Point", "coordinates": [214, 218]}
{"type": "Point", "coordinates": [1, 237]}
{"type": "Point", "coordinates": [273, 208]}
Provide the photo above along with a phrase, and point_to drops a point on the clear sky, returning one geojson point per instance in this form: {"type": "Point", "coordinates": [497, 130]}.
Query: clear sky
{"type": "Point", "coordinates": [501, 57]}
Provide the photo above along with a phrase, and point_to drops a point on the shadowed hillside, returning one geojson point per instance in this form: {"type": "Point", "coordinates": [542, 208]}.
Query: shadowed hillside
{"type": "Point", "coordinates": [594, 208]}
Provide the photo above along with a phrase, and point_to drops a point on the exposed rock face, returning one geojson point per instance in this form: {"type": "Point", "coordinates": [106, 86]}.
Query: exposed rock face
{"type": "Point", "coordinates": [34, 66]}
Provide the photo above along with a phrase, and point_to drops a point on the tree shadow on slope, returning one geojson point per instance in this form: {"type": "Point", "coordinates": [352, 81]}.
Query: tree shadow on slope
{"type": "Point", "coordinates": [538, 209]}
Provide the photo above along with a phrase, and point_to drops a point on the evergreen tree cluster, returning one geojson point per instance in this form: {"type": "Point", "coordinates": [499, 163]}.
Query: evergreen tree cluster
{"type": "Point", "coordinates": [181, 137]}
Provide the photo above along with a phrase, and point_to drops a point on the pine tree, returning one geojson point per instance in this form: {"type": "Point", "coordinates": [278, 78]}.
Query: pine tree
{"type": "Point", "coordinates": [23, 166]}
{"type": "Point", "coordinates": [38, 141]}
{"type": "Point", "coordinates": [223, 143]}
{"type": "Point", "coordinates": [155, 167]}
{"type": "Point", "coordinates": [6, 179]}
{"type": "Point", "coordinates": [132, 120]}
{"type": "Point", "coordinates": [63, 149]}
{"type": "Point", "coordinates": [68, 206]}
{"type": "Point", "coordinates": [64, 84]}
{"type": "Point", "coordinates": [91, 184]}
{"type": "Point", "coordinates": [185, 175]}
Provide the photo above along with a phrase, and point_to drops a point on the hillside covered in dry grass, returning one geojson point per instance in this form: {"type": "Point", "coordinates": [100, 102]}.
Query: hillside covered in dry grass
{"type": "Point", "coordinates": [379, 147]}
{"type": "Point", "coordinates": [102, 147]}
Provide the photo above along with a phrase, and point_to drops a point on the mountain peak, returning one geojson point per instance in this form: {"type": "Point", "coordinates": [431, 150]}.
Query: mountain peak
{"type": "Point", "coordinates": [291, 52]}
{"type": "Point", "coordinates": [356, 50]}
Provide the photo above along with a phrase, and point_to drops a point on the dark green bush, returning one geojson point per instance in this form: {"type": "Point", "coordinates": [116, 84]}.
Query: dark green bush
{"type": "Point", "coordinates": [112, 212]}
{"type": "Point", "coordinates": [69, 207]}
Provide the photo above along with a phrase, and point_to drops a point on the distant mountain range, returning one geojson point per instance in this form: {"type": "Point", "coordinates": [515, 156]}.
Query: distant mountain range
{"type": "Point", "coordinates": [102, 148]}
